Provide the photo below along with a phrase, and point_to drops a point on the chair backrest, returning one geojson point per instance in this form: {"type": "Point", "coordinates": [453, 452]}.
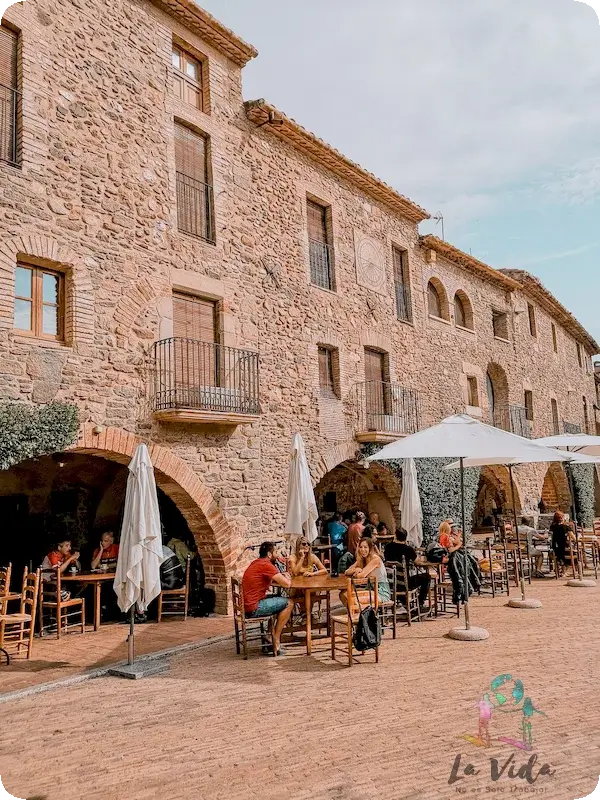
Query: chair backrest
{"type": "Point", "coordinates": [31, 591]}
{"type": "Point", "coordinates": [596, 526]}
{"type": "Point", "coordinates": [238, 598]}
{"type": "Point", "coordinates": [5, 579]}
{"type": "Point", "coordinates": [361, 584]}
{"type": "Point", "coordinates": [188, 562]}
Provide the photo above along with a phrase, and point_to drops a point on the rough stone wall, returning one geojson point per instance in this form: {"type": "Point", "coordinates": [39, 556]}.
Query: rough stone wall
{"type": "Point", "coordinates": [96, 197]}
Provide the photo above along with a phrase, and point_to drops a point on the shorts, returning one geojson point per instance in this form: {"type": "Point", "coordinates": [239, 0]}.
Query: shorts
{"type": "Point", "coordinates": [268, 607]}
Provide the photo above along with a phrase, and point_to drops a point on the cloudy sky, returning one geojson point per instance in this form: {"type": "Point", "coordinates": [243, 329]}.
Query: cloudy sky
{"type": "Point", "coordinates": [488, 112]}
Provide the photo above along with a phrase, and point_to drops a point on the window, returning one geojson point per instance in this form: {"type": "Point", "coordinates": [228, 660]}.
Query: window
{"type": "Point", "coordinates": [10, 98]}
{"type": "Point", "coordinates": [554, 340]}
{"type": "Point", "coordinates": [463, 313]}
{"type": "Point", "coordinates": [555, 420]}
{"type": "Point", "coordinates": [490, 393]}
{"type": "Point", "coordinates": [328, 371]}
{"type": "Point", "coordinates": [434, 301]}
{"type": "Point", "coordinates": [579, 357]}
{"type": "Point", "coordinates": [195, 333]}
{"type": "Point", "coordinates": [531, 314]}
{"type": "Point", "coordinates": [194, 192]}
{"type": "Point", "coordinates": [473, 392]}
{"type": "Point", "coordinates": [39, 302]}
{"type": "Point", "coordinates": [402, 284]}
{"type": "Point", "coordinates": [529, 405]}
{"type": "Point", "coordinates": [500, 324]}
{"type": "Point", "coordinates": [586, 418]}
{"type": "Point", "coordinates": [187, 78]}
{"type": "Point", "coordinates": [321, 273]}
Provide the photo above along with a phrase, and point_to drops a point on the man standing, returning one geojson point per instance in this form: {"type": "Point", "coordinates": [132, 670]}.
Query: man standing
{"type": "Point", "coordinates": [257, 579]}
{"type": "Point", "coordinates": [355, 532]}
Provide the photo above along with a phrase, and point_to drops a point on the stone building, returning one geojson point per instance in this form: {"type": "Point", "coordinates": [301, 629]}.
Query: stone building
{"type": "Point", "coordinates": [203, 274]}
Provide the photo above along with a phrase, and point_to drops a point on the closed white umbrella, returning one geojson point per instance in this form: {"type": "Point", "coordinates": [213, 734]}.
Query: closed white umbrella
{"type": "Point", "coordinates": [302, 513]}
{"type": "Point", "coordinates": [137, 581]}
{"type": "Point", "coordinates": [411, 512]}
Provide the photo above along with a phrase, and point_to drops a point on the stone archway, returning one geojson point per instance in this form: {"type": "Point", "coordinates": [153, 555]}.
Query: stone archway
{"type": "Point", "coordinates": [556, 493]}
{"type": "Point", "coordinates": [497, 396]}
{"type": "Point", "coordinates": [495, 492]}
{"type": "Point", "coordinates": [214, 536]}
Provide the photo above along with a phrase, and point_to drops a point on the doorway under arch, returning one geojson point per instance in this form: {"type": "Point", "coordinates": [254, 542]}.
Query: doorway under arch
{"type": "Point", "coordinates": [494, 496]}
{"type": "Point", "coordinates": [497, 394]}
{"type": "Point", "coordinates": [556, 494]}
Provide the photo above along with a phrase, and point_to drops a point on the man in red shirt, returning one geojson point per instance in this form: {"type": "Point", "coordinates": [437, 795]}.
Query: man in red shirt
{"type": "Point", "coordinates": [257, 579]}
{"type": "Point", "coordinates": [107, 554]}
{"type": "Point", "coordinates": [355, 532]}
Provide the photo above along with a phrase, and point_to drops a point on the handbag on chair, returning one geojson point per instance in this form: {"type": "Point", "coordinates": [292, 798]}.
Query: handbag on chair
{"type": "Point", "coordinates": [367, 632]}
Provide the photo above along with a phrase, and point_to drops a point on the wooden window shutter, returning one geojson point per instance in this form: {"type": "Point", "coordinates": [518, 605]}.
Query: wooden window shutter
{"type": "Point", "coordinates": [317, 222]}
{"type": "Point", "coordinates": [194, 318]}
{"type": "Point", "coordinates": [190, 154]}
{"type": "Point", "coordinates": [8, 59]}
{"type": "Point", "coordinates": [374, 363]}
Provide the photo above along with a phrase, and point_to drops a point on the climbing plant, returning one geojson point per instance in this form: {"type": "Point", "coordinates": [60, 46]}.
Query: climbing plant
{"type": "Point", "coordinates": [583, 484]}
{"type": "Point", "coordinates": [27, 431]}
{"type": "Point", "coordinates": [439, 490]}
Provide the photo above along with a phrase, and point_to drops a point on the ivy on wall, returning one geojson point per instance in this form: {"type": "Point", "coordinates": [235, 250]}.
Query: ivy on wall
{"type": "Point", "coordinates": [439, 490]}
{"type": "Point", "coordinates": [583, 485]}
{"type": "Point", "coordinates": [28, 431]}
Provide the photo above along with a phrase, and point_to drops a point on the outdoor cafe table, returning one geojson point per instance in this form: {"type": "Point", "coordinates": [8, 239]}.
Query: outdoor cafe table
{"type": "Point", "coordinates": [96, 579]}
{"type": "Point", "coordinates": [320, 583]}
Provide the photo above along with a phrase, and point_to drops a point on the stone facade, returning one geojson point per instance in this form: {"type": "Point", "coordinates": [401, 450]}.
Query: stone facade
{"type": "Point", "coordinates": [95, 197]}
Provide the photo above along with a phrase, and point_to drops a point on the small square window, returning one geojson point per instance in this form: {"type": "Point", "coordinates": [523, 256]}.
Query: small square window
{"type": "Point", "coordinates": [188, 78]}
{"type": "Point", "coordinates": [500, 324]}
{"type": "Point", "coordinates": [39, 307]}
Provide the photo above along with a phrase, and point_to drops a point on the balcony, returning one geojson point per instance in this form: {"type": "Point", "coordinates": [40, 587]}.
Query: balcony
{"type": "Point", "coordinates": [519, 421]}
{"type": "Point", "coordinates": [320, 264]}
{"type": "Point", "coordinates": [10, 100]}
{"type": "Point", "coordinates": [204, 382]}
{"type": "Point", "coordinates": [194, 207]}
{"type": "Point", "coordinates": [571, 427]}
{"type": "Point", "coordinates": [384, 411]}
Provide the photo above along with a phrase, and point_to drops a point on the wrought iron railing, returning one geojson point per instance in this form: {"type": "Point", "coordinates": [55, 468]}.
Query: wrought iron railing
{"type": "Point", "coordinates": [195, 207]}
{"type": "Point", "coordinates": [320, 264]}
{"type": "Point", "coordinates": [386, 407]}
{"type": "Point", "coordinates": [571, 427]}
{"type": "Point", "coordinates": [519, 422]}
{"type": "Point", "coordinates": [202, 375]}
{"type": "Point", "coordinates": [10, 102]}
{"type": "Point", "coordinates": [403, 303]}
{"type": "Point", "coordinates": [500, 418]}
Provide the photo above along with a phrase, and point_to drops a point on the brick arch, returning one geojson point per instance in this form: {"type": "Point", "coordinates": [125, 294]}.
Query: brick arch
{"type": "Point", "coordinates": [135, 302]}
{"type": "Point", "coordinates": [499, 478]}
{"type": "Point", "coordinates": [346, 451]}
{"type": "Point", "coordinates": [212, 532]}
{"type": "Point", "coordinates": [442, 294]}
{"type": "Point", "coordinates": [80, 290]}
{"type": "Point", "coordinates": [556, 492]}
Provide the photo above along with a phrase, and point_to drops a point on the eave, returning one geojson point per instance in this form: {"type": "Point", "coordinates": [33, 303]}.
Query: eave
{"type": "Point", "coordinates": [469, 263]}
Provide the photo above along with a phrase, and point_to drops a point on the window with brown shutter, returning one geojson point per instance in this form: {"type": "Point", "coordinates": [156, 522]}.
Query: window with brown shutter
{"type": "Point", "coordinates": [39, 305]}
{"type": "Point", "coordinates": [328, 371]}
{"type": "Point", "coordinates": [532, 323]}
{"type": "Point", "coordinates": [554, 339]}
{"type": "Point", "coordinates": [377, 396]}
{"type": "Point", "coordinates": [321, 273]}
{"type": "Point", "coordinates": [10, 103]}
{"type": "Point", "coordinates": [473, 392]}
{"type": "Point", "coordinates": [196, 347]}
{"type": "Point", "coordinates": [188, 78]}
{"type": "Point", "coordinates": [555, 419]}
{"type": "Point", "coordinates": [529, 405]}
{"type": "Point", "coordinates": [434, 301]}
{"type": "Point", "coordinates": [194, 193]}
{"type": "Point", "coordinates": [402, 284]}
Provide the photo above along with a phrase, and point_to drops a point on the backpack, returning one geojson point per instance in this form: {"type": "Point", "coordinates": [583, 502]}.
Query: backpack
{"type": "Point", "coordinates": [367, 633]}
{"type": "Point", "coordinates": [436, 553]}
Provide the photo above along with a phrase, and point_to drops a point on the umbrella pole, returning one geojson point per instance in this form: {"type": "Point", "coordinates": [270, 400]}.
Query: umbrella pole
{"type": "Point", "coordinates": [514, 505]}
{"type": "Point", "coordinates": [130, 651]}
{"type": "Point", "coordinates": [574, 515]}
{"type": "Point", "coordinates": [464, 533]}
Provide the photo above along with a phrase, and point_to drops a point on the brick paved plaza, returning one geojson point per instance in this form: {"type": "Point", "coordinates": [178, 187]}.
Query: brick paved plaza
{"type": "Point", "coordinates": [215, 726]}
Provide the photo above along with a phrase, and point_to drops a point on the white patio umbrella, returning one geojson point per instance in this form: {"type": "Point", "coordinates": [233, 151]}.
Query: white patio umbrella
{"type": "Point", "coordinates": [411, 512]}
{"type": "Point", "coordinates": [137, 581]}
{"type": "Point", "coordinates": [302, 513]}
{"type": "Point", "coordinates": [461, 437]}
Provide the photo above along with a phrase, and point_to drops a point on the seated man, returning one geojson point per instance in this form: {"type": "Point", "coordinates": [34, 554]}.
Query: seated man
{"type": "Point", "coordinates": [397, 550]}
{"type": "Point", "coordinates": [337, 531]}
{"type": "Point", "coordinates": [258, 577]}
{"type": "Point", "coordinates": [533, 538]}
{"type": "Point", "coordinates": [59, 560]}
{"type": "Point", "coordinates": [106, 555]}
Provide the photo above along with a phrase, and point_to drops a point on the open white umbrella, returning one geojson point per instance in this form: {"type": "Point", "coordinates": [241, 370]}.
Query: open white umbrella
{"type": "Point", "coordinates": [411, 512]}
{"type": "Point", "coordinates": [137, 581]}
{"type": "Point", "coordinates": [461, 437]}
{"type": "Point", "coordinates": [302, 513]}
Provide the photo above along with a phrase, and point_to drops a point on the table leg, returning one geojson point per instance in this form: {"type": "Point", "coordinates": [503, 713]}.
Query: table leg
{"type": "Point", "coordinates": [2, 650]}
{"type": "Point", "coordinates": [97, 590]}
{"type": "Point", "coordinates": [308, 622]}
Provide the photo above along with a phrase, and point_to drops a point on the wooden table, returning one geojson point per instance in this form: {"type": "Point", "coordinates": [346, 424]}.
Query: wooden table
{"type": "Point", "coordinates": [320, 583]}
{"type": "Point", "coordinates": [96, 579]}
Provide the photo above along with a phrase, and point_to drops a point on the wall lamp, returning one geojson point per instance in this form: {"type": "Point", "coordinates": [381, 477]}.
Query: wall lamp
{"type": "Point", "coordinates": [276, 122]}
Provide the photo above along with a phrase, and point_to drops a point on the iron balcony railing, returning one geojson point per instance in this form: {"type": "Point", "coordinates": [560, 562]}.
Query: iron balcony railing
{"type": "Point", "coordinates": [519, 422]}
{"type": "Point", "coordinates": [320, 264]}
{"type": "Point", "coordinates": [403, 303]}
{"type": "Point", "coordinates": [10, 102]}
{"type": "Point", "coordinates": [386, 407]}
{"type": "Point", "coordinates": [501, 418]}
{"type": "Point", "coordinates": [195, 207]}
{"type": "Point", "coordinates": [571, 427]}
{"type": "Point", "coordinates": [189, 374]}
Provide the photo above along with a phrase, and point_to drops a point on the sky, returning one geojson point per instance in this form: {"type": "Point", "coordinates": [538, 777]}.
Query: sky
{"type": "Point", "coordinates": [486, 112]}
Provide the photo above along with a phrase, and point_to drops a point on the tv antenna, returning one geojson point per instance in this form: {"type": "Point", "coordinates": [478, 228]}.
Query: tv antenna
{"type": "Point", "coordinates": [439, 217]}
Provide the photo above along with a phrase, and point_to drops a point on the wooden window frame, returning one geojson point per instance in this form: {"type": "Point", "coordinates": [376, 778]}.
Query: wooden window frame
{"type": "Point", "coordinates": [555, 416]}
{"type": "Point", "coordinates": [10, 95]}
{"type": "Point", "coordinates": [401, 270]}
{"type": "Point", "coordinates": [433, 289]}
{"type": "Point", "coordinates": [329, 382]}
{"type": "Point", "coordinates": [532, 320]}
{"type": "Point", "coordinates": [194, 205]}
{"type": "Point", "coordinates": [181, 75]}
{"type": "Point", "coordinates": [325, 241]}
{"type": "Point", "coordinates": [37, 303]}
{"type": "Point", "coordinates": [528, 403]}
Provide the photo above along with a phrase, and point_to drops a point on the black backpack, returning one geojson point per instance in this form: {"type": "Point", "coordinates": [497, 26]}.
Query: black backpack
{"type": "Point", "coordinates": [436, 553]}
{"type": "Point", "coordinates": [367, 633]}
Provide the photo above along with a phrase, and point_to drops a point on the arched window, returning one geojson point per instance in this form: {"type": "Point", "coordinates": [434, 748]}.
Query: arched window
{"type": "Point", "coordinates": [434, 300]}
{"type": "Point", "coordinates": [463, 312]}
{"type": "Point", "coordinates": [490, 392]}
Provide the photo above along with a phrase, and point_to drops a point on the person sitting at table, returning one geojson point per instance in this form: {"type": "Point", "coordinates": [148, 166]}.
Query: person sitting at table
{"type": "Point", "coordinates": [444, 534]}
{"type": "Point", "coordinates": [303, 562]}
{"type": "Point", "coordinates": [355, 532]}
{"type": "Point", "coordinates": [60, 560]}
{"type": "Point", "coordinates": [532, 537]}
{"type": "Point", "coordinates": [368, 562]}
{"type": "Point", "coordinates": [382, 530]}
{"type": "Point", "coordinates": [561, 534]}
{"type": "Point", "coordinates": [257, 579]}
{"type": "Point", "coordinates": [373, 519]}
{"type": "Point", "coordinates": [337, 531]}
{"type": "Point", "coordinates": [106, 555]}
{"type": "Point", "coordinates": [397, 550]}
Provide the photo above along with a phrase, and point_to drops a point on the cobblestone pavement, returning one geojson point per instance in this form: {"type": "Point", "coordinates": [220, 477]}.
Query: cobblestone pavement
{"type": "Point", "coordinates": [305, 728]}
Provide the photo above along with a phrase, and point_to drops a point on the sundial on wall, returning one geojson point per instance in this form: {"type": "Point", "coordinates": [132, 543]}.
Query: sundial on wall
{"type": "Point", "coordinates": [370, 263]}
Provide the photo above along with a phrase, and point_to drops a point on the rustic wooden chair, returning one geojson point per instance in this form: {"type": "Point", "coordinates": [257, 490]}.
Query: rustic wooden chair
{"type": "Point", "coordinates": [60, 611]}
{"type": "Point", "coordinates": [388, 609]}
{"type": "Point", "coordinates": [175, 601]}
{"type": "Point", "coordinates": [16, 630]}
{"type": "Point", "coordinates": [343, 623]}
{"type": "Point", "coordinates": [5, 593]}
{"type": "Point", "coordinates": [494, 571]}
{"type": "Point", "coordinates": [249, 630]}
{"type": "Point", "coordinates": [590, 550]}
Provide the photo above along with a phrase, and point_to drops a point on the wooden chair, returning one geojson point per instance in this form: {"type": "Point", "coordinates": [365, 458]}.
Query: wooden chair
{"type": "Point", "coordinates": [16, 630]}
{"type": "Point", "coordinates": [175, 601]}
{"type": "Point", "coordinates": [494, 571]}
{"type": "Point", "coordinates": [5, 593]}
{"type": "Point", "coordinates": [388, 609]}
{"type": "Point", "coordinates": [58, 609]}
{"type": "Point", "coordinates": [590, 550]}
{"type": "Point", "coordinates": [249, 630]}
{"type": "Point", "coordinates": [343, 624]}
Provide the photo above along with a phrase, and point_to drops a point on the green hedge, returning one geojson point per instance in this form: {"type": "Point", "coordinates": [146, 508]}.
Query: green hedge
{"type": "Point", "coordinates": [583, 484]}
{"type": "Point", "coordinates": [28, 431]}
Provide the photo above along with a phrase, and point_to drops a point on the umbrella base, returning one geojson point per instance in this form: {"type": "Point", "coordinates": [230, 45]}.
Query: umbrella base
{"type": "Point", "coordinates": [529, 602]}
{"type": "Point", "coordinates": [584, 583]}
{"type": "Point", "coordinates": [470, 635]}
{"type": "Point", "coordinates": [141, 670]}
